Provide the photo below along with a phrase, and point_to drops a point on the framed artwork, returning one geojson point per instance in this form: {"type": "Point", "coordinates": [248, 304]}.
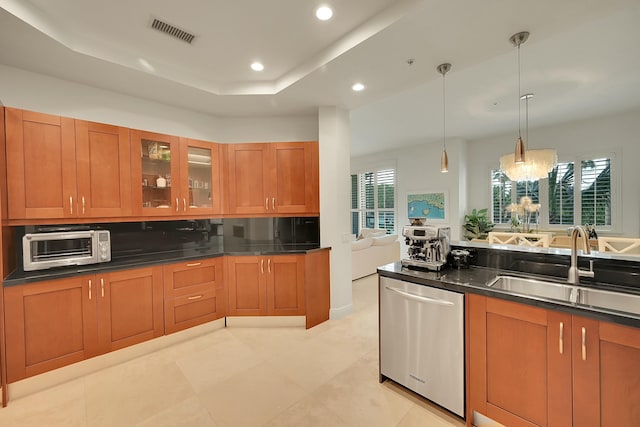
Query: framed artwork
{"type": "Point", "coordinates": [431, 205]}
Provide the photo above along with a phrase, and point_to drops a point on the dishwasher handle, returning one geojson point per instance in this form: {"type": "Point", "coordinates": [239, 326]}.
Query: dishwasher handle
{"type": "Point", "coordinates": [419, 297]}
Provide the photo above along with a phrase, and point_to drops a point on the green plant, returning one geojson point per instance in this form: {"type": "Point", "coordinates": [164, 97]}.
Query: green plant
{"type": "Point", "coordinates": [477, 225]}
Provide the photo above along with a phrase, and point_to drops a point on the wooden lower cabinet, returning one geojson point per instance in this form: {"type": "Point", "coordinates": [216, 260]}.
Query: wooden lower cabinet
{"type": "Point", "coordinates": [606, 374]}
{"type": "Point", "coordinates": [194, 293]}
{"type": "Point", "coordinates": [529, 366]}
{"type": "Point", "coordinates": [49, 325]}
{"type": "Point", "coordinates": [55, 323]}
{"type": "Point", "coordinates": [266, 285]}
{"type": "Point", "coordinates": [130, 307]}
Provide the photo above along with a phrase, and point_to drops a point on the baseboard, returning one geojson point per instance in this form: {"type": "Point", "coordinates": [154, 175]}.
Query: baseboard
{"type": "Point", "coordinates": [265, 321]}
{"type": "Point", "coordinates": [340, 312]}
{"type": "Point", "coordinates": [71, 372]}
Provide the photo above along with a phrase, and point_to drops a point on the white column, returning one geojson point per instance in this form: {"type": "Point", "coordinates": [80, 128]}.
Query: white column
{"type": "Point", "coordinates": [335, 188]}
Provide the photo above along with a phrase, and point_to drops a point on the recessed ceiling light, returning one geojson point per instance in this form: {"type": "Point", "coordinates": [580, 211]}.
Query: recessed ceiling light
{"type": "Point", "coordinates": [324, 13]}
{"type": "Point", "coordinates": [357, 87]}
{"type": "Point", "coordinates": [257, 66]}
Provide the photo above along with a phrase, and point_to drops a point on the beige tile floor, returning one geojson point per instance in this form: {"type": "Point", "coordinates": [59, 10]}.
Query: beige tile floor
{"type": "Point", "coordinates": [326, 376]}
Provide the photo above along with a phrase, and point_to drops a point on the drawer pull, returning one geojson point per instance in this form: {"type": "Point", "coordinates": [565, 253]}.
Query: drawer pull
{"type": "Point", "coordinates": [584, 343]}
{"type": "Point", "coordinates": [194, 264]}
{"type": "Point", "coordinates": [561, 341]}
{"type": "Point", "coordinates": [195, 297]}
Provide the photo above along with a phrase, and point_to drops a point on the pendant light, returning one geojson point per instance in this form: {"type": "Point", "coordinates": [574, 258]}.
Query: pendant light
{"type": "Point", "coordinates": [517, 40]}
{"type": "Point", "coordinates": [526, 165]}
{"type": "Point", "coordinates": [444, 159]}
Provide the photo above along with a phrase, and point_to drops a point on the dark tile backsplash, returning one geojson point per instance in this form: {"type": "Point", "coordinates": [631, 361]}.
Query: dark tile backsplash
{"type": "Point", "coordinates": [610, 271]}
{"type": "Point", "coordinates": [227, 235]}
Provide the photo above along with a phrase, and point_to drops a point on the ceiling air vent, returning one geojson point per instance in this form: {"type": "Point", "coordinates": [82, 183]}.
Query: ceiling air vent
{"type": "Point", "coordinates": [172, 31]}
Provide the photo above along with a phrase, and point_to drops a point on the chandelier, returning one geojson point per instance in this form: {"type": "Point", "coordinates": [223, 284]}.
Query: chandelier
{"type": "Point", "coordinates": [524, 164]}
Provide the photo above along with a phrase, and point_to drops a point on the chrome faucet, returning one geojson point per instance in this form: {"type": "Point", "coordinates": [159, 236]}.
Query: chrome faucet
{"type": "Point", "coordinates": [574, 271]}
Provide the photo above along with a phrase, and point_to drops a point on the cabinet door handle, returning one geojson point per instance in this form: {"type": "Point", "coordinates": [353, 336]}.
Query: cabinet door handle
{"type": "Point", "coordinates": [102, 287]}
{"type": "Point", "coordinates": [71, 205]}
{"type": "Point", "coordinates": [273, 203]}
{"type": "Point", "coordinates": [89, 289]}
{"type": "Point", "coordinates": [269, 265]}
{"type": "Point", "coordinates": [177, 205]}
{"type": "Point", "coordinates": [262, 266]}
{"type": "Point", "coordinates": [561, 341]}
{"type": "Point", "coordinates": [184, 204]}
{"type": "Point", "coordinates": [584, 343]}
{"type": "Point", "coordinates": [82, 205]}
{"type": "Point", "coordinates": [194, 264]}
{"type": "Point", "coordinates": [266, 203]}
{"type": "Point", "coordinates": [194, 297]}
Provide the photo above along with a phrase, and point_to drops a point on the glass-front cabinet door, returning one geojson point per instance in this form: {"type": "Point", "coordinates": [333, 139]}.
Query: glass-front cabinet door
{"type": "Point", "coordinates": [155, 173]}
{"type": "Point", "coordinates": [200, 177]}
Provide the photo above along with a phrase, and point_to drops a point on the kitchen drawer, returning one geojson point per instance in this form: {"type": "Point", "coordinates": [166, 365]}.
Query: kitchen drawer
{"type": "Point", "coordinates": [190, 310]}
{"type": "Point", "coordinates": [192, 277]}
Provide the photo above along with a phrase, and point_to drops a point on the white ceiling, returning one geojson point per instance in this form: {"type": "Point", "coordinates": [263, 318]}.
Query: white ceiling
{"type": "Point", "coordinates": [580, 61]}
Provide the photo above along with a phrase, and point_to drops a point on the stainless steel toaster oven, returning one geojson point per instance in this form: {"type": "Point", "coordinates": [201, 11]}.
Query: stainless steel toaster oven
{"type": "Point", "coordinates": [44, 250]}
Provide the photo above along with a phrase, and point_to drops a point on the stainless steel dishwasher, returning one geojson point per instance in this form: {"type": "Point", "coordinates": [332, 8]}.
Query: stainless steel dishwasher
{"type": "Point", "coordinates": [422, 341]}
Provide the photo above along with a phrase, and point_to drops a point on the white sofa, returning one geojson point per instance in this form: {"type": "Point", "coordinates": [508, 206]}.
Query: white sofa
{"type": "Point", "coordinates": [372, 249]}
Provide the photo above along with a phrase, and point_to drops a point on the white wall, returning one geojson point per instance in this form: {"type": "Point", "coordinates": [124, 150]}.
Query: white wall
{"type": "Point", "coordinates": [470, 163]}
{"type": "Point", "coordinates": [37, 92]}
{"type": "Point", "coordinates": [619, 133]}
{"type": "Point", "coordinates": [418, 169]}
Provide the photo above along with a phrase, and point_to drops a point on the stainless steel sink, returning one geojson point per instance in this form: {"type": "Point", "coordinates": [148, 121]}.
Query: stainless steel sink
{"type": "Point", "coordinates": [567, 293]}
{"type": "Point", "coordinates": [535, 288]}
{"type": "Point", "coordinates": [618, 301]}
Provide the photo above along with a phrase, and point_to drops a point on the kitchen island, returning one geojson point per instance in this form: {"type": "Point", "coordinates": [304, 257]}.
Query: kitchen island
{"type": "Point", "coordinates": [539, 361]}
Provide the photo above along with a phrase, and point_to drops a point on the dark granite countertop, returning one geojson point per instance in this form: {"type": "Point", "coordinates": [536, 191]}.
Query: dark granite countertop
{"type": "Point", "coordinates": [475, 280]}
{"type": "Point", "coordinates": [158, 258]}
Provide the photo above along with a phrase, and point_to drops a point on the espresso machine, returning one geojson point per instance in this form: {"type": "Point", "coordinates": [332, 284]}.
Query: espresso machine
{"type": "Point", "coordinates": [428, 246]}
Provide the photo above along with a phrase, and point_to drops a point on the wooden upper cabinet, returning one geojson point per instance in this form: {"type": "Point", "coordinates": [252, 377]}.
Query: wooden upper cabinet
{"type": "Point", "coordinates": [248, 178]}
{"type": "Point", "coordinates": [58, 167]}
{"type": "Point", "coordinates": [41, 165]}
{"type": "Point", "coordinates": [294, 177]}
{"type": "Point", "coordinates": [274, 178]}
{"type": "Point", "coordinates": [103, 170]}
{"type": "Point", "coordinates": [155, 174]}
{"type": "Point", "coordinates": [174, 176]}
{"type": "Point", "coordinates": [200, 177]}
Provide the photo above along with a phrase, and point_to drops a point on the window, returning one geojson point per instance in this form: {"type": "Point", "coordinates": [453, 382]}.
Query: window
{"type": "Point", "coordinates": [595, 188]}
{"type": "Point", "coordinates": [563, 202]}
{"type": "Point", "coordinates": [501, 188]}
{"type": "Point", "coordinates": [561, 195]}
{"type": "Point", "coordinates": [373, 196]}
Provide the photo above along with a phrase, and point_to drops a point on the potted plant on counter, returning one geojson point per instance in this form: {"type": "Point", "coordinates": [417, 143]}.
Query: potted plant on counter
{"type": "Point", "coordinates": [477, 224]}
